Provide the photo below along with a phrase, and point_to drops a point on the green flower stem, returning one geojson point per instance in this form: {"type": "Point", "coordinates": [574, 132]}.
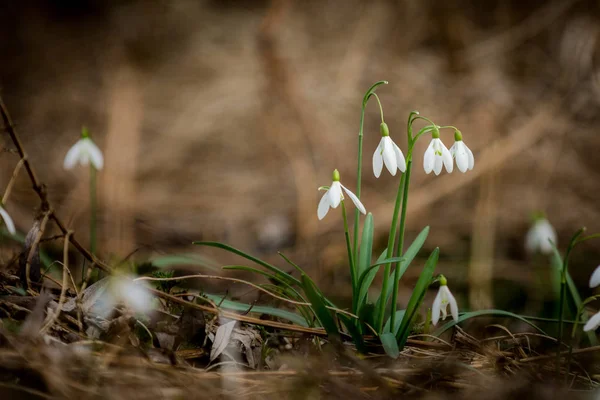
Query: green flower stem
{"type": "Point", "coordinates": [368, 94]}
{"type": "Point", "coordinates": [353, 276]}
{"type": "Point", "coordinates": [93, 209]}
{"type": "Point", "coordinates": [563, 289]}
{"type": "Point", "coordinates": [400, 248]}
{"type": "Point", "coordinates": [380, 106]}
{"type": "Point", "coordinates": [574, 330]}
{"type": "Point", "coordinates": [389, 254]}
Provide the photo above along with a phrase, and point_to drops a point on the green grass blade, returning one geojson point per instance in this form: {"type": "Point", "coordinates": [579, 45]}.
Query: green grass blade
{"type": "Point", "coordinates": [273, 311]}
{"type": "Point", "coordinates": [388, 340]}
{"type": "Point", "coordinates": [183, 259]}
{"type": "Point", "coordinates": [351, 325]}
{"type": "Point", "coordinates": [417, 297]}
{"type": "Point", "coordinates": [409, 256]}
{"type": "Point", "coordinates": [480, 313]}
{"type": "Point", "coordinates": [365, 281]}
{"type": "Point", "coordinates": [319, 307]}
{"type": "Point", "coordinates": [274, 277]}
{"type": "Point", "coordinates": [366, 246]}
{"type": "Point", "coordinates": [293, 264]}
{"type": "Point", "coordinates": [399, 316]}
{"type": "Point", "coordinates": [557, 263]}
{"type": "Point", "coordinates": [272, 268]}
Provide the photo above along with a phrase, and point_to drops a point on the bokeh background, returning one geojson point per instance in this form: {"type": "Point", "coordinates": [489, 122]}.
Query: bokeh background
{"type": "Point", "coordinates": [219, 120]}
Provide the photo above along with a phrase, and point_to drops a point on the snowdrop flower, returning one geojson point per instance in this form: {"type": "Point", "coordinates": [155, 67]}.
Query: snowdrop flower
{"type": "Point", "coordinates": [8, 221]}
{"type": "Point", "coordinates": [436, 155]}
{"type": "Point", "coordinates": [334, 195]}
{"type": "Point", "coordinates": [539, 236]}
{"type": "Point", "coordinates": [592, 323]}
{"type": "Point", "coordinates": [389, 153]}
{"type": "Point", "coordinates": [440, 304]}
{"type": "Point", "coordinates": [84, 152]}
{"type": "Point", "coordinates": [124, 290]}
{"type": "Point", "coordinates": [595, 278]}
{"type": "Point", "coordinates": [462, 154]}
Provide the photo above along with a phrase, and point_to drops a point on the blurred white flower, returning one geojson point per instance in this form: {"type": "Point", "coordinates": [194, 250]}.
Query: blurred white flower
{"type": "Point", "coordinates": [539, 236]}
{"type": "Point", "coordinates": [334, 195]}
{"type": "Point", "coordinates": [8, 221]}
{"type": "Point", "coordinates": [84, 152]}
{"type": "Point", "coordinates": [462, 154]}
{"type": "Point", "coordinates": [123, 290]}
{"type": "Point", "coordinates": [389, 153]}
{"type": "Point", "coordinates": [592, 323]}
{"type": "Point", "coordinates": [436, 155]}
{"type": "Point", "coordinates": [595, 278]}
{"type": "Point", "coordinates": [441, 302]}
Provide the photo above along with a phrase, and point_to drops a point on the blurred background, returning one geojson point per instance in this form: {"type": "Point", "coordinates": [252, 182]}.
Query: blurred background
{"type": "Point", "coordinates": [219, 120]}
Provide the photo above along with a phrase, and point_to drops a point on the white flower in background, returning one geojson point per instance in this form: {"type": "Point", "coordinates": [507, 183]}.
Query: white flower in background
{"type": "Point", "coordinates": [124, 290]}
{"type": "Point", "coordinates": [595, 278]}
{"type": "Point", "coordinates": [8, 221]}
{"type": "Point", "coordinates": [462, 154]}
{"type": "Point", "coordinates": [437, 155]}
{"type": "Point", "coordinates": [539, 236]}
{"type": "Point", "coordinates": [334, 195]}
{"type": "Point", "coordinates": [592, 323]}
{"type": "Point", "coordinates": [441, 302]}
{"type": "Point", "coordinates": [389, 153]}
{"type": "Point", "coordinates": [84, 152]}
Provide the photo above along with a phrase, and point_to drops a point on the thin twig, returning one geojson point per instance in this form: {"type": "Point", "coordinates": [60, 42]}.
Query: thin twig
{"type": "Point", "coordinates": [39, 188]}
{"type": "Point", "coordinates": [12, 181]}
{"type": "Point", "coordinates": [34, 246]}
{"type": "Point", "coordinates": [63, 290]}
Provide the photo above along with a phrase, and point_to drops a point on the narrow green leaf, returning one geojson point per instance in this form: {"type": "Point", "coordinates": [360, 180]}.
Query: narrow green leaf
{"type": "Point", "coordinates": [275, 312]}
{"type": "Point", "coordinates": [293, 264]}
{"type": "Point", "coordinates": [409, 256]}
{"type": "Point", "coordinates": [183, 259]}
{"type": "Point", "coordinates": [388, 340]}
{"type": "Point", "coordinates": [366, 246]}
{"type": "Point", "coordinates": [351, 325]}
{"type": "Point", "coordinates": [481, 313]}
{"type": "Point", "coordinates": [319, 306]}
{"type": "Point", "coordinates": [557, 263]}
{"type": "Point", "coordinates": [274, 277]}
{"type": "Point", "coordinates": [417, 297]}
{"type": "Point", "coordinates": [399, 316]}
{"type": "Point", "coordinates": [291, 279]}
{"type": "Point", "coordinates": [365, 281]}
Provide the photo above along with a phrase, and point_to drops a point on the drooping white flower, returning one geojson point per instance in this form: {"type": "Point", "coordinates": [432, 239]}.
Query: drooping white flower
{"type": "Point", "coordinates": [595, 278]}
{"type": "Point", "coordinates": [539, 236]}
{"type": "Point", "coordinates": [462, 154]}
{"type": "Point", "coordinates": [84, 152]}
{"type": "Point", "coordinates": [437, 155]}
{"type": "Point", "coordinates": [333, 196]}
{"type": "Point", "coordinates": [124, 290]}
{"type": "Point", "coordinates": [592, 323]}
{"type": "Point", "coordinates": [441, 302]}
{"type": "Point", "coordinates": [8, 221]}
{"type": "Point", "coordinates": [388, 153]}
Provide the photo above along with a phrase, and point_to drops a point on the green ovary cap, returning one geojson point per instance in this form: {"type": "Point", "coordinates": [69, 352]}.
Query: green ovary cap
{"type": "Point", "coordinates": [383, 128]}
{"type": "Point", "coordinates": [336, 175]}
{"type": "Point", "coordinates": [435, 133]}
{"type": "Point", "coordinates": [85, 133]}
{"type": "Point", "coordinates": [457, 135]}
{"type": "Point", "coordinates": [443, 280]}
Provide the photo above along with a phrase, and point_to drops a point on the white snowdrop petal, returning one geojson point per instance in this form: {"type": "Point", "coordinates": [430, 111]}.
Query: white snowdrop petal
{"type": "Point", "coordinates": [389, 157]}
{"type": "Point", "coordinates": [95, 155]}
{"type": "Point", "coordinates": [437, 164]}
{"type": "Point", "coordinates": [453, 306]}
{"type": "Point", "coordinates": [461, 156]}
{"type": "Point", "coordinates": [8, 221]}
{"type": "Point", "coordinates": [435, 309]}
{"type": "Point", "coordinates": [378, 160]}
{"type": "Point", "coordinates": [592, 323]}
{"type": "Point", "coordinates": [355, 200]}
{"type": "Point", "coordinates": [323, 207]}
{"type": "Point", "coordinates": [428, 159]}
{"type": "Point", "coordinates": [595, 278]}
{"type": "Point", "coordinates": [471, 158]}
{"type": "Point", "coordinates": [335, 194]}
{"type": "Point", "coordinates": [447, 158]}
{"type": "Point", "coordinates": [400, 160]}
{"type": "Point", "coordinates": [72, 156]}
